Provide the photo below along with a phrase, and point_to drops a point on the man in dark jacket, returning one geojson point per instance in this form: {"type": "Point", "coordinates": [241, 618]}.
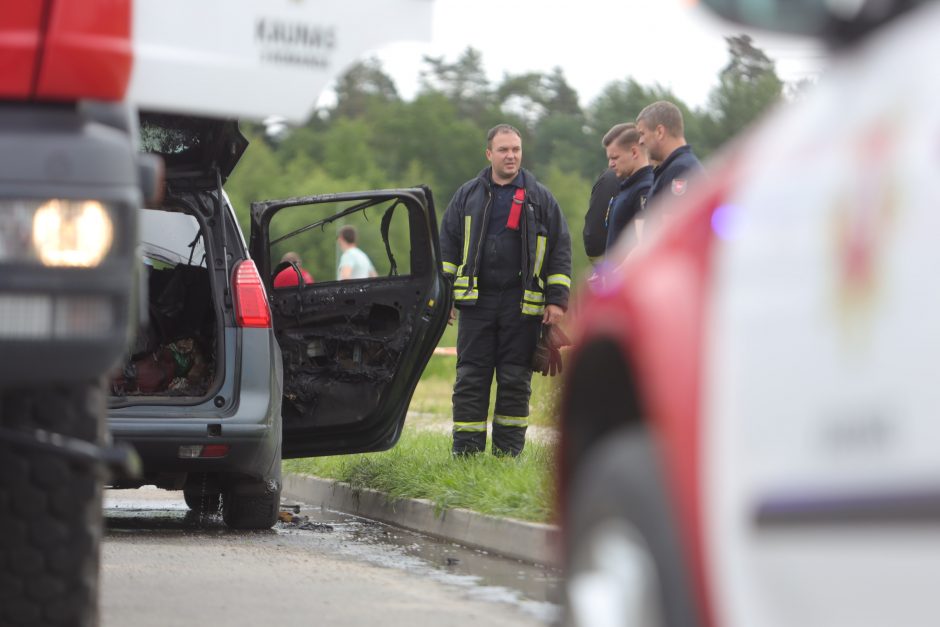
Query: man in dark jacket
{"type": "Point", "coordinates": [597, 217]}
{"type": "Point", "coordinates": [629, 161]}
{"type": "Point", "coordinates": [662, 132]}
{"type": "Point", "coordinates": [505, 242]}
{"type": "Point", "coordinates": [595, 220]}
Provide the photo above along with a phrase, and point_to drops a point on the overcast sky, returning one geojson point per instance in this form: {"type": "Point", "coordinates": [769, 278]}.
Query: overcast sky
{"type": "Point", "coordinates": [594, 42]}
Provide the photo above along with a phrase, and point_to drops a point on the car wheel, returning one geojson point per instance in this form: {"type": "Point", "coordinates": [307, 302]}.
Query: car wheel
{"type": "Point", "coordinates": [251, 504]}
{"type": "Point", "coordinates": [203, 498]}
{"type": "Point", "coordinates": [624, 565]}
{"type": "Point", "coordinates": [50, 509]}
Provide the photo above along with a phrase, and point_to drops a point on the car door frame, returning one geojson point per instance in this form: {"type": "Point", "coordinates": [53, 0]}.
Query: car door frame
{"type": "Point", "coordinates": [381, 429]}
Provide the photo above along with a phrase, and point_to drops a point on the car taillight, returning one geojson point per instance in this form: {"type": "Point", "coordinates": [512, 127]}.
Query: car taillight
{"type": "Point", "coordinates": [251, 303]}
{"type": "Point", "coordinates": [203, 451]}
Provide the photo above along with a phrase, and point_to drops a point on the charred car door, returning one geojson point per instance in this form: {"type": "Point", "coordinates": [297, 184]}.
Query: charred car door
{"type": "Point", "coordinates": [356, 329]}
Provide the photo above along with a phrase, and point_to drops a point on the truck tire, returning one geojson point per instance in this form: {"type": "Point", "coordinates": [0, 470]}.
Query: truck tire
{"type": "Point", "coordinates": [623, 559]}
{"type": "Point", "coordinates": [50, 509]}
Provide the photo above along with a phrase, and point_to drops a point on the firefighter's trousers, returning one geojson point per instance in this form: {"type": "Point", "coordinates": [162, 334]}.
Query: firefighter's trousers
{"type": "Point", "coordinates": [494, 335]}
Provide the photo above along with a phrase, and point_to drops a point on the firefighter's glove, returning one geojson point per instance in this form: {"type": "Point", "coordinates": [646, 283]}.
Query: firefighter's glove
{"type": "Point", "coordinates": [547, 358]}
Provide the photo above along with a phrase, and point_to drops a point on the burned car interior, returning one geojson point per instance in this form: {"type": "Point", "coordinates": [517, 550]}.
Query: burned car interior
{"type": "Point", "coordinates": [175, 351]}
{"type": "Point", "coordinates": [342, 341]}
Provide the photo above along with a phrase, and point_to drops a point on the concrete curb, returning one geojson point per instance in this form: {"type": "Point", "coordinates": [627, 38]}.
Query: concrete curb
{"type": "Point", "coordinates": [529, 542]}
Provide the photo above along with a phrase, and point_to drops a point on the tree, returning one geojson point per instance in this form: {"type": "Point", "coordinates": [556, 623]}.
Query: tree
{"type": "Point", "coordinates": [572, 191]}
{"type": "Point", "coordinates": [363, 85]}
{"type": "Point", "coordinates": [463, 82]}
{"type": "Point", "coordinates": [620, 101]}
{"type": "Point", "coordinates": [534, 95]}
{"type": "Point", "coordinates": [560, 139]}
{"type": "Point", "coordinates": [747, 86]}
{"type": "Point", "coordinates": [429, 130]}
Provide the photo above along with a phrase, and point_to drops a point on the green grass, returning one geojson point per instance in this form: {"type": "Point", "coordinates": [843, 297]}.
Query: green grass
{"type": "Point", "coordinates": [421, 466]}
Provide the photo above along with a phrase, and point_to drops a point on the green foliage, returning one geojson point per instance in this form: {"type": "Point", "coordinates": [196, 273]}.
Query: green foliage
{"type": "Point", "coordinates": [364, 86]}
{"type": "Point", "coordinates": [621, 101]}
{"type": "Point", "coordinates": [572, 191]}
{"type": "Point", "coordinates": [747, 87]}
{"type": "Point", "coordinates": [463, 83]}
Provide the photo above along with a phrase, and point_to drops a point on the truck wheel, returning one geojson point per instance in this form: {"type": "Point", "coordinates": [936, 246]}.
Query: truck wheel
{"type": "Point", "coordinates": [50, 509]}
{"type": "Point", "coordinates": [251, 504]}
{"type": "Point", "coordinates": [624, 562]}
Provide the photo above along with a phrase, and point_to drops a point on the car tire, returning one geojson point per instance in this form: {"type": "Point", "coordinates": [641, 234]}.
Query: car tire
{"type": "Point", "coordinates": [203, 499]}
{"type": "Point", "coordinates": [50, 509]}
{"type": "Point", "coordinates": [251, 504]}
{"type": "Point", "coordinates": [623, 558]}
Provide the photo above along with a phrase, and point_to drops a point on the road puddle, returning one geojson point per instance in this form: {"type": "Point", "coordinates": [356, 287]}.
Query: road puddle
{"type": "Point", "coordinates": [534, 589]}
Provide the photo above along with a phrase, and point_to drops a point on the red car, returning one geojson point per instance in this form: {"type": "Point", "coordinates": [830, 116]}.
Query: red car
{"type": "Point", "coordinates": [749, 423]}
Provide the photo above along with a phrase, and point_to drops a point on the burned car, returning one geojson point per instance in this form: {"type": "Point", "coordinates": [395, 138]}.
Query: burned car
{"type": "Point", "coordinates": [235, 371]}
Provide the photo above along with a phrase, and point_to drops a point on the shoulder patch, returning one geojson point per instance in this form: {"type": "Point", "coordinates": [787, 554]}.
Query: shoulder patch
{"type": "Point", "coordinates": [679, 186]}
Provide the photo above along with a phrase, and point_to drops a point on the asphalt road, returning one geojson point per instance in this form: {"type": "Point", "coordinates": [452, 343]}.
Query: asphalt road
{"type": "Point", "coordinates": [162, 568]}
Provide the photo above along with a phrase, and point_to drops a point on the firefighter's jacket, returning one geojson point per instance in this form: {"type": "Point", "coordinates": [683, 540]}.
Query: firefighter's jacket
{"type": "Point", "coordinates": [546, 244]}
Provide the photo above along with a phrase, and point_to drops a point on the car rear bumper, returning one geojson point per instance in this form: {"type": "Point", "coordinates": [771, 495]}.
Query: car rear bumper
{"type": "Point", "coordinates": [245, 416]}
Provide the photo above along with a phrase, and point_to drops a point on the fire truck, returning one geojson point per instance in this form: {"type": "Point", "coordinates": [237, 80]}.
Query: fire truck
{"type": "Point", "coordinates": [75, 75]}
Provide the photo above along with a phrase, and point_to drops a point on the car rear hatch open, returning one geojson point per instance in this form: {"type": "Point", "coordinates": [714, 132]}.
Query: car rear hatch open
{"type": "Point", "coordinates": [185, 242]}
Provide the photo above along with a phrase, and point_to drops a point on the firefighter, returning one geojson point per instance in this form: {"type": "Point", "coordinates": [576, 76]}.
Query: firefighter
{"type": "Point", "coordinates": [505, 244]}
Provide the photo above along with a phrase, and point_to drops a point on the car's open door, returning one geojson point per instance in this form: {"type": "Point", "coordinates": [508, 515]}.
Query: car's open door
{"type": "Point", "coordinates": [353, 349]}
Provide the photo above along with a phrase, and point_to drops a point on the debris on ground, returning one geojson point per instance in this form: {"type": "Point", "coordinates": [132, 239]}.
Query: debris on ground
{"type": "Point", "coordinates": [290, 519]}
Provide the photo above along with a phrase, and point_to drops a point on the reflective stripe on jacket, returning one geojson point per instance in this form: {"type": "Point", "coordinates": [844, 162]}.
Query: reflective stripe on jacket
{"type": "Point", "coordinates": [546, 244]}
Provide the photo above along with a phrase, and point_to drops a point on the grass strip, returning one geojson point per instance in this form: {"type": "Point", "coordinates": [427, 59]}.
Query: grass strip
{"type": "Point", "coordinates": [421, 466]}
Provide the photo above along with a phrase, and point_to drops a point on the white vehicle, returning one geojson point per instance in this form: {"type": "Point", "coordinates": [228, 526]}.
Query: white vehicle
{"type": "Point", "coordinates": [253, 59]}
{"type": "Point", "coordinates": [750, 431]}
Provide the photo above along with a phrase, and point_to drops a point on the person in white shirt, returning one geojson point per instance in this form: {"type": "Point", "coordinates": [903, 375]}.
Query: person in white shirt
{"type": "Point", "coordinates": [353, 263]}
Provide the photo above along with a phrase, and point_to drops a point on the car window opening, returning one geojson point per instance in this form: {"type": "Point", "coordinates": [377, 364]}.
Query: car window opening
{"type": "Point", "coordinates": [174, 353]}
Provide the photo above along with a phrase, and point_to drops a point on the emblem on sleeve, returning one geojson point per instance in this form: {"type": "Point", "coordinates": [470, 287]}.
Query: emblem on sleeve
{"type": "Point", "coordinates": [679, 186]}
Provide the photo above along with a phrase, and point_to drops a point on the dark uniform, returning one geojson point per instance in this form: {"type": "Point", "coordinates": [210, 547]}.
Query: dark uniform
{"type": "Point", "coordinates": [628, 202]}
{"type": "Point", "coordinates": [671, 177]}
{"type": "Point", "coordinates": [596, 219]}
{"type": "Point", "coordinates": [503, 279]}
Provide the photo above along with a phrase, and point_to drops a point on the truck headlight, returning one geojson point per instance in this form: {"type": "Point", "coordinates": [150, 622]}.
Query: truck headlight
{"type": "Point", "coordinates": [74, 233]}
{"type": "Point", "coordinates": [57, 232]}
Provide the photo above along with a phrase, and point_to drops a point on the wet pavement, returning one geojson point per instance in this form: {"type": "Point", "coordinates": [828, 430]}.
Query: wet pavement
{"type": "Point", "coordinates": [530, 590]}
